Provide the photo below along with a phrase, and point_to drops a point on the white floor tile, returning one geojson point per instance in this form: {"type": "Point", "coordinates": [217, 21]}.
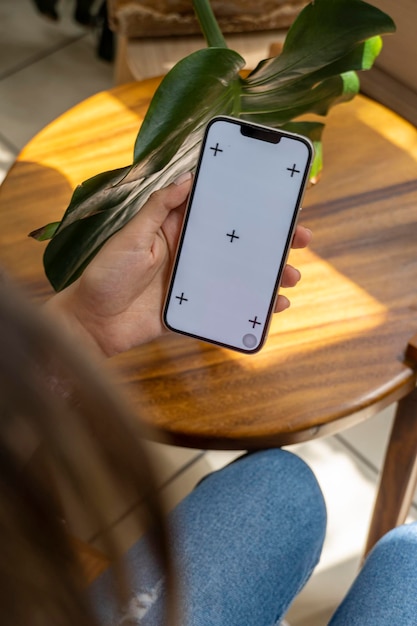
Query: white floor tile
{"type": "Point", "coordinates": [33, 97]}
{"type": "Point", "coordinates": [25, 35]}
{"type": "Point", "coordinates": [216, 459]}
{"type": "Point", "coordinates": [7, 157]}
{"type": "Point", "coordinates": [170, 461]}
{"type": "Point", "coordinates": [349, 490]}
{"type": "Point", "coordinates": [370, 438]}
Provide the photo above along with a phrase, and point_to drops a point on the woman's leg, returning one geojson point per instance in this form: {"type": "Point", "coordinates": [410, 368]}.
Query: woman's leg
{"type": "Point", "coordinates": [385, 591]}
{"type": "Point", "coordinates": [245, 542]}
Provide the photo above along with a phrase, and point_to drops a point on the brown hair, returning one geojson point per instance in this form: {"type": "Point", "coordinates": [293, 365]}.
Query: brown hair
{"type": "Point", "coordinates": [89, 439]}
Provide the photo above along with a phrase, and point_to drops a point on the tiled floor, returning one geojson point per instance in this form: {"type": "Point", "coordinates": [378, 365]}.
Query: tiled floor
{"type": "Point", "coordinates": [45, 68]}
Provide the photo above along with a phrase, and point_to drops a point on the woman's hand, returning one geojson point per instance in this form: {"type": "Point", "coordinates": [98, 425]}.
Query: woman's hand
{"type": "Point", "coordinates": [117, 302]}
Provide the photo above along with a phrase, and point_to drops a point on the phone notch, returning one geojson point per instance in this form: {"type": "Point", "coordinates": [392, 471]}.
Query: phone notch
{"type": "Point", "coordinates": [263, 134]}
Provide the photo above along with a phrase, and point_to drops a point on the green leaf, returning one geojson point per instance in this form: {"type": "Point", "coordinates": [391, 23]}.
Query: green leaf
{"type": "Point", "coordinates": [324, 32]}
{"type": "Point", "coordinates": [71, 250]}
{"type": "Point", "coordinates": [314, 131]}
{"type": "Point", "coordinates": [328, 43]}
{"type": "Point", "coordinates": [292, 103]}
{"type": "Point", "coordinates": [106, 202]}
{"type": "Point", "coordinates": [45, 232]}
{"type": "Point", "coordinates": [200, 84]}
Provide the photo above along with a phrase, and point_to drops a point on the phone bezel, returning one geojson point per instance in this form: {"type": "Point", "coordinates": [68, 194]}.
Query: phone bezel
{"type": "Point", "coordinates": [265, 131]}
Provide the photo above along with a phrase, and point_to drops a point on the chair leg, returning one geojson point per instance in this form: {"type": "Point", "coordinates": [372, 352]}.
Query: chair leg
{"type": "Point", "coordinates": [399, 474]}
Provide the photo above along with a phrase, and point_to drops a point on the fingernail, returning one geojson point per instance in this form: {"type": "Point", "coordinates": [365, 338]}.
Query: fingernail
{"type": "Point", "coordinates": [182, 178]}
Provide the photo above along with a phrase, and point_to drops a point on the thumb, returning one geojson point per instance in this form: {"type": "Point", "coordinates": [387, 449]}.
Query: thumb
{"type": "Point", "coordinates": [155, 211]}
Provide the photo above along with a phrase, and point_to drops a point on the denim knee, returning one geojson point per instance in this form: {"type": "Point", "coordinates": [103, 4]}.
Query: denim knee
{"type": "Point", "coordinates": [295, 476]}
{"type": "Point", "coordinates": [397, 549]}
{"type": "Point", "coordinates": [249, 537]}
{"type": "Point", "coordinates": [385, 591]}
{"type": "Point", "coordinates": [281, 476]}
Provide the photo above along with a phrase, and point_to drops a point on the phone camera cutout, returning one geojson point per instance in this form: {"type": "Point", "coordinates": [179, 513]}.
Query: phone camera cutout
{"type": "Point", "coordinates": [249, 340]}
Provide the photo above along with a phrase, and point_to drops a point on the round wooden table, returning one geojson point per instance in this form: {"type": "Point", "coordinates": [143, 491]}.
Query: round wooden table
{"type": "Point", "coordinates": [334, 358]}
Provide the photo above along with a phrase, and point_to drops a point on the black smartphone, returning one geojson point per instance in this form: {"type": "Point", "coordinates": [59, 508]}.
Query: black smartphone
{"type": "Point", "coordinates": [237, 233]}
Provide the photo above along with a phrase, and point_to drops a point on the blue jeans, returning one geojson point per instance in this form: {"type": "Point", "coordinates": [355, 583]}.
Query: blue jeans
{"type": "Point", "coordinates": [385, 591]}
{"type": "Point", "coordinates": [245, 542]}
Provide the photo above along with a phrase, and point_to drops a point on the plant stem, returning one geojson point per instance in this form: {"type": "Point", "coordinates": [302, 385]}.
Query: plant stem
{"type": "Point", "coordinates": [208, 23]}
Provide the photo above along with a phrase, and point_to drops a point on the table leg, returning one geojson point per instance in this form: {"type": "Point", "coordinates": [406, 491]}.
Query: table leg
{"type": "Point", "coordinates": [399, 474]}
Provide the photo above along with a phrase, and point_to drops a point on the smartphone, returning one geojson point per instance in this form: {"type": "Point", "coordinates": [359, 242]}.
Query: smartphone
{"type": "Point", "coordinates": [237, 232]}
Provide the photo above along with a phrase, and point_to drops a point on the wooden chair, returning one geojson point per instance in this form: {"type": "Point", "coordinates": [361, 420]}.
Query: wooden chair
{"type": "Point", "coordinates": [399, 475]}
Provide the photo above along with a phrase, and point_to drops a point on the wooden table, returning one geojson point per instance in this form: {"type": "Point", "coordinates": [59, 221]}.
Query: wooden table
{"type": "Point", "coordinates": [334, 359]}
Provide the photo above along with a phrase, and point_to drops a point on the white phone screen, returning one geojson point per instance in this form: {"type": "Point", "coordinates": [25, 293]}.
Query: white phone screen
{"type": "Point", "coordinates": [237, 232]}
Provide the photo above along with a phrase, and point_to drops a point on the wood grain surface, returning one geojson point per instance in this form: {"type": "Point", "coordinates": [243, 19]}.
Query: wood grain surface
{"type": "Point", "coordinates": [334, 358]}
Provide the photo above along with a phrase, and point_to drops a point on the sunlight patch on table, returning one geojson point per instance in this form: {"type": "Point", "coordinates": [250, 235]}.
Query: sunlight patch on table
{"type": "Point", "coordinates": [68, 145]}
{"type": "Point", "coordinates": [313, 320]}
{"type": "Point", "coordinates": [390, 126]}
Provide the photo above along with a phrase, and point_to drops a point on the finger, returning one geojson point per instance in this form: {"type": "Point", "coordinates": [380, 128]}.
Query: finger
{"type": "Point", "coordinates": [302, 237]}
{"type": "Point", "coordinates": [281, 304]}
{"type": "Point", "coordinates": [290, 276]}
{"type": "Point", "coordinates": [155, 211]}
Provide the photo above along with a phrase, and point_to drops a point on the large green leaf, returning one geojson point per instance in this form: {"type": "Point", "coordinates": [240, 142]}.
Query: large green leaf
{"type": "Point", "coordinates": [103, 204]}
{"type": "Point", "coordinates": [206, 80]}
{"type": "Point", "coordinates": [324, 32]}
{"type": "Point", "coordinates": [329, 41]}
